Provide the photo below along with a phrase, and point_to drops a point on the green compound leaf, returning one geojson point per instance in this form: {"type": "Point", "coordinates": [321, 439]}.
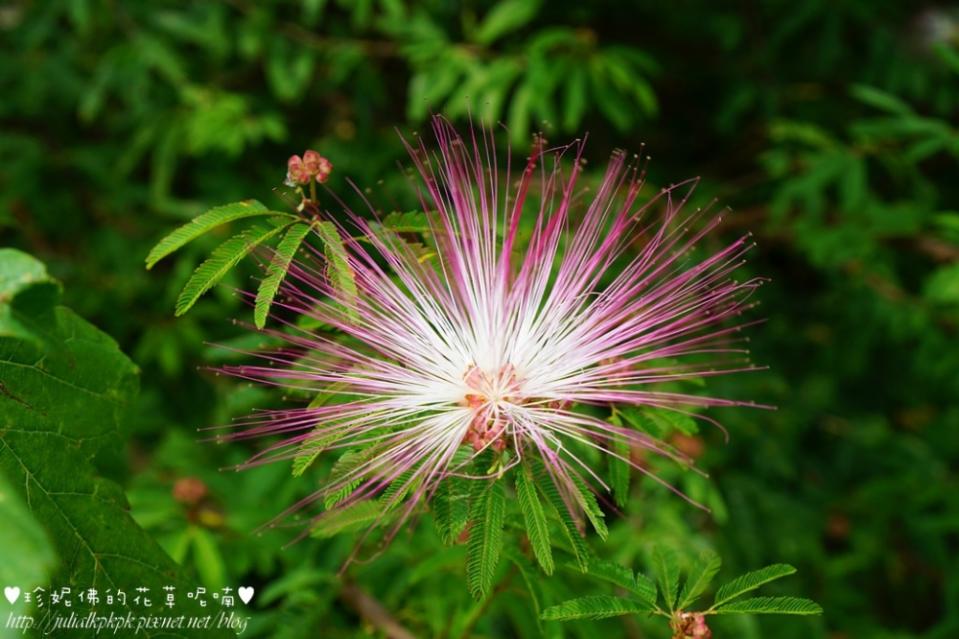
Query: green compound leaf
{"type": "Point", "coordinates": [537, 528]}
{"type": "Point", "coordinates": [699, 578]}
{"type": "Point", "coordinates": [619, 470]}
{"type": "Point", "coordinates": [407, 222]}
{"type": "Point", "coordinates": [573, 534]}
{"type": "Point", "coordinates": [338, 264]}
{"type": "Point", "coordinates": [666, 567]}
{"type": "Point", "coordinates": [659, 422]}
{"type": "Point", "coordinates": [595, 607]}
{"type": "Point", "coordinates": [308, 453]}
{"type": "Point", "coordinates": [224, 258]}
{"type": "Point", "coordinates": [451, 508]}
{"type": "Point", "coordinates": [276, 271]}
{"type": "Point", "coordinates": [61, 402]}
{"type": "Point", "coordinates": [311, 448]}
{"type": "Point", "coordinates": [346, 519]}
{"type": "Point", "coordinates": [594, 513]}
{"type": "Point", "coordinates": [616, 574]}
{"type": "Point", "coordinates": [531, 583]}
{"type": "Point", "coordinates": [751, 581]}
{"type": "Point", "coordinates": [348, 462]}
{"type": "Point", "coordinates": [399, 489]}
{"type": "Point", "coordinates": [646, 589]}
{"type": "Point", "coordinates": [487, 514]}
{"type": "Point", "coordinates": [506, 16]}
{"type": "Point", "coordinates": [204, 223]}
{"type": "Point", "coordinates": [771, 606]}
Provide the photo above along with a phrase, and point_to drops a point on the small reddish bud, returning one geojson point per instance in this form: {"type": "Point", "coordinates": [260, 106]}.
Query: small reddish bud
{"type": "Point", "coordinates": [189, 490]}
{"type": "Point", "coordinates": [700, 629]}
{"type": "Point", "coordinates": [311, 161]}
{"type": "Point", "coordinates": [323, 170]}
{"type": "Point", "coordinates": [692, 625]}
{"type": "Point", "coordinates": [296, 172]}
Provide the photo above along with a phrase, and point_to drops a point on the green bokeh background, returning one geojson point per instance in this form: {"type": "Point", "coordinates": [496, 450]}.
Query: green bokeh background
{"type": "Point", "coordinates": [828, 127]}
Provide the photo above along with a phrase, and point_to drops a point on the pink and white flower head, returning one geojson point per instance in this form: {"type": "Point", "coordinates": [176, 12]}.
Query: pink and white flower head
{"type": "Point", "coordinates": [538, 297]}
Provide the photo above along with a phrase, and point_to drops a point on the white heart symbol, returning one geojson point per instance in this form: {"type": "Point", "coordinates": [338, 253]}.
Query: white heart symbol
{"type": "Point", "coordinates": [12, 593]}
{"type": "Point", "coordinates": [246, 593]}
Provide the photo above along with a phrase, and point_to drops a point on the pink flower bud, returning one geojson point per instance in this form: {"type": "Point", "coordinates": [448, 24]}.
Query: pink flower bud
{"type": "Point", "coordinates": [296, 172]}
{"type": "Point", "coordinates": [189, 490]}
{"type": "Point", "coordinates": [323, 170]}
{"type": "Point", "coordinates": [311, 161]}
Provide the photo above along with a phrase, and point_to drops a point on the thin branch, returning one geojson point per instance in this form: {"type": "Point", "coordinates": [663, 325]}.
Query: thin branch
{"type": "Point", "coordinates": [372, 611]}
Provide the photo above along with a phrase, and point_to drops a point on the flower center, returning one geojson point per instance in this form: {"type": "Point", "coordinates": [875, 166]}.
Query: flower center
{"type": "Point", "coordinates": [483, 387]}
{"type": "Point", "coordinates": [487, 394]}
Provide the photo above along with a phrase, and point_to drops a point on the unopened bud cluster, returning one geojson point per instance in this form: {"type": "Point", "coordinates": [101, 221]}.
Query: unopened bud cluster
{"type": "Point", "coordinates": [312, 166]}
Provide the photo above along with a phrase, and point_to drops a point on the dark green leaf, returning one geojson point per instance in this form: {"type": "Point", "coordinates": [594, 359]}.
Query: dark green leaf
{"type": "Point", "coordinates": [25, 289]}
{"type": "Point", "coordinates": [880, 99]}
{"type": "Point", "coordinates": [28, 557]}
{"type": "Point", "coordinates": [61, 402]}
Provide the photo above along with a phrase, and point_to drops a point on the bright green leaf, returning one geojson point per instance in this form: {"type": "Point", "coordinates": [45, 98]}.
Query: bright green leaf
{"type": "Point", "coordinates": [487, 516]}
{"type": "Point", "coordinates": [573, 534]}
{"type": "Point", "coordinates": [204, 223]}
{"type": "Point", "coordinates": [595, 607]}
{"type": "Point", "coordinates": [276, 271]}
{"type": "Point", "coordinates": [880, 99]}
{"type": "Point", "coordinates": [594, 513]}
{"type": "Point", "coordinates": [506, 16]}
{"type": "Point", "coordinates": [338, 265]}
{"type": "Point", "coordinates": [534, 516]}
{"type": "Point", "coordinates": [699, 578]}
{"type": "Point", "coordinates": [208, 559]}
{"type": "Point", "coordinates": [751, 581]}
{"type": "Point", "coordinates": [666, 567]}
{"type": "Point", "coordinates": [346, 519]}
{"type": "Point", "coordinates": [771, 606]}
{"type": "Point", "coordinates": [451, 508]}
{"type": "Point", "coordinates": [224, 258]}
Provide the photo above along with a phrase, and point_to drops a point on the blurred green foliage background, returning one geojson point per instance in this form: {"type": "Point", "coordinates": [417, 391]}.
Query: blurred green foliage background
{"type": "Point", "coordinates": [830, 128]}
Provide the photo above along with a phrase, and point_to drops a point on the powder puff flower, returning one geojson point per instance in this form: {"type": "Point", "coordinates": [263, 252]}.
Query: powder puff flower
{"type": "Point", "coordinates": [536, 300]}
